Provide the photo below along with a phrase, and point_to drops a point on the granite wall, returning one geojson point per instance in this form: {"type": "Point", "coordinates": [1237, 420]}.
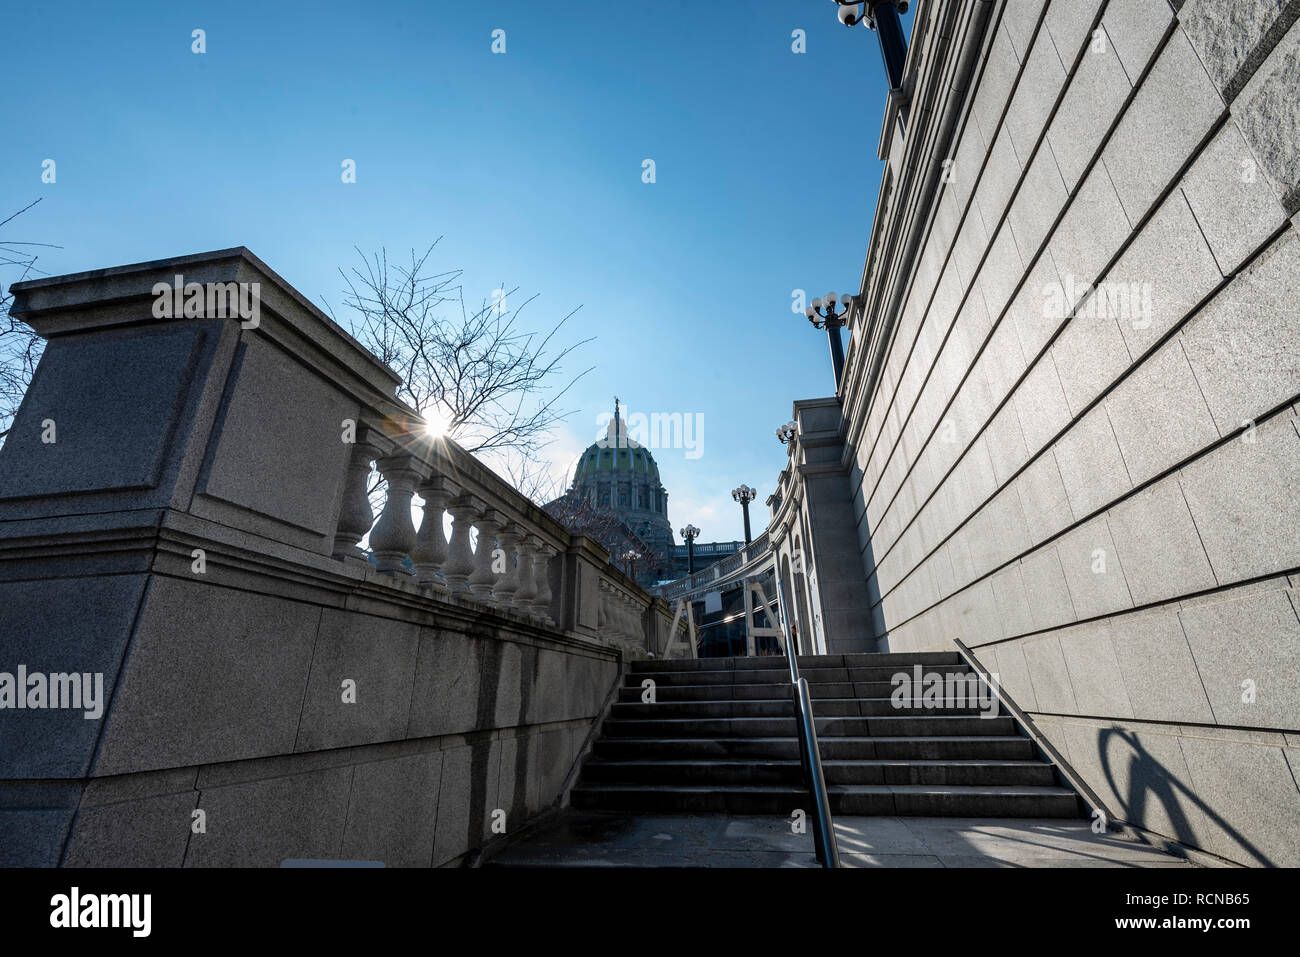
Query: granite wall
{"type": "Point", "coordinates": [170, 501]}
{"type": "Point", "coordinates": [1081, 453]}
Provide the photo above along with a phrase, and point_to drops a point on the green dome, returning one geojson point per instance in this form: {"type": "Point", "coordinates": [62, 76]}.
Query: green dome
{"type": "Point", "coordinates": [616, 453]}
{"type": "Point", "coordinates": [597, 459]}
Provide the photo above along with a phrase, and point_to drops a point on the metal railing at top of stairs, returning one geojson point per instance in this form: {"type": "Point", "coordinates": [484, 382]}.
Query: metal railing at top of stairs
{"type": "Point", "coordinates": [810, 760]}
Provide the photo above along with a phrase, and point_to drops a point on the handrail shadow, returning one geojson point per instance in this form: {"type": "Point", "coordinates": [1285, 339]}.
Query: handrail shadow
{"type": "Point", "coordinates": [1165, 789]}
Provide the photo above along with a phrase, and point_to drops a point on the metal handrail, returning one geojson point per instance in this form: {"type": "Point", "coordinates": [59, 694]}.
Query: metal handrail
{"type": "Point", "coordinates": [810, 760]}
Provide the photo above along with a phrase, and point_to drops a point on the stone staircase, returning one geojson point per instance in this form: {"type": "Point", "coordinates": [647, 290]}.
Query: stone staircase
{"type": "Point", "coordinates": [721, 736]}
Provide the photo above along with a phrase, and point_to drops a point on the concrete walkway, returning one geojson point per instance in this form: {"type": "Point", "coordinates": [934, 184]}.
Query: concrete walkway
{"type": "Point", "coordinates": [605, 839]}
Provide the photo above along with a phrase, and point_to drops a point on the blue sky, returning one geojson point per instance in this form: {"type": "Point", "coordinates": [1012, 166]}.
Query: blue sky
{"type": "Point", "coordinates": [528, 164]}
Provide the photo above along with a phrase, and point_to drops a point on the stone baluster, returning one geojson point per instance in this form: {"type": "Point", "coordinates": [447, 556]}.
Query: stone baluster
{"type": "Point", "coordinates": [634, 619]}
{"type": "Point", "coordinates": [527, 591]}
{"type": "Point", "coordinates": [620, 613]}
{"type": "Point", "coordinates": [483, 582]}
{"type": "Point", "coordinates": [460, 556]}
{"type": "Point", "coordinates": [508, 583]}
{"type": "Point", "coordinates": [355, 514]}
{"type": "Point", "coordinates": [430, 550]}
{"type": "Point", "coordinates": [393, 536]}
{"type": "Point", "coordinates": [542, 575]}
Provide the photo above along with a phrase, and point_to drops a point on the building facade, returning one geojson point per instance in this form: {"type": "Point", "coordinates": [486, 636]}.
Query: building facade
{"type": "Point", "coordinates": [617, 498]}
{"type": "Point", "coordinates": [1067, 435]}
{"type": "Point", "coordinates": [191, 543]}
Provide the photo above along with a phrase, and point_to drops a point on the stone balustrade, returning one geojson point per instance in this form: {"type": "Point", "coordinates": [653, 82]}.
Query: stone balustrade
{"type": "Point", "coordinates": [623, 613]}
{"type": "Point", "coordinates": [503, 554]}
{"type": "Point", "coordinates": [750, 560]}
{"type": "Point", "coordinates": [192, 537]}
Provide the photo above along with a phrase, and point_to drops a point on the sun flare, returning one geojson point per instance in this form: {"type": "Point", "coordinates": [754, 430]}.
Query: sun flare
{"type": "Point", "coordinates": [435, 423]}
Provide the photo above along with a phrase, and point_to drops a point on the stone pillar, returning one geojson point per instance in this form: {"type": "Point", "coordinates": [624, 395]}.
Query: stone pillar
{"type": "Point", "coordinates": [393, 536]}
{"type": "Point", "coordinates": [483, 582]}
{"type": "Point", "coordinates": [585, 564]}
{"type": "Point", "coordinates": [633, 629]}
{"type": "Point", "coordinates": [618, 613]}
{"type": "Point", "coordinates": [507, 584]}
{"type": "Point", "coordinates": [637, 622]}
{"type": "Point", "coordinates": [430, 550]}
{"type": "Point", "coordinates": [527, 591]}
{"type": "Point", "coordinates": [355, 514]}
{"type": "Point", "coordinates": [542, 575]}
{"type": "Point", "coordinates": [460, 556]}
{"type": "Point", "coordinates": [615, 613]}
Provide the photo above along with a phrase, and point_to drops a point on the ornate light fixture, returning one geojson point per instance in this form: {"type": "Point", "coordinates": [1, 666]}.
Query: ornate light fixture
{"type": "Point", "coordinates": [630, 558]}
{"type": "Point", "coordinates": [882, 17]}
{"type": "Point", "coordinates": [744, 495]}
{"type": "Point", "coordinates": [690, 533]}
{"type": "Point", "coordinates": [821, 313]}
{"type": "Point", "coordinates": [786, 434]}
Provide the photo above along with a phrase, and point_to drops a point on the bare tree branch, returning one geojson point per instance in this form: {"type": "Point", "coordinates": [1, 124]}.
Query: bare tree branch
{"type": "Point", "coordinates": [493, 386]}
{"type": "Point", "coordinates": [20, 346]}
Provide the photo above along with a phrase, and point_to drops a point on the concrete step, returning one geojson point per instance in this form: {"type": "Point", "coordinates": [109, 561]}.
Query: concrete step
{"type": "Point", "coordinates": [753, 692]}
{"type": "Point", "coordinates": [893, 659]}
{"type": "Point", "coordinates": [889, 726]}
{"type": "Point", "coordinates": [782, 707]}
{"type": "Point", "coordinates": [777, 707]}
{"type": "Point", "coordinates": [787, 771]}
{"type": "Point", "coordinates": [721, 736]}
{"type": "Point", "coordinates": [778, 676]}
{"type": "Point", "coordinates": [984, 748]}
{"type": "Point", "coordinates": [904, 800]}
{"type": "Point", "coordinates": [920, 725]}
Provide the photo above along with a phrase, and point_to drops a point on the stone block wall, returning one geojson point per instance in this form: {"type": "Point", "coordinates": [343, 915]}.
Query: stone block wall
{"type": "Point", "coordinates": [170, 501]}
{"type": "Point", "coordinates": [1081, 455]}
{"type": "Point", "coordinates": [231, 702]}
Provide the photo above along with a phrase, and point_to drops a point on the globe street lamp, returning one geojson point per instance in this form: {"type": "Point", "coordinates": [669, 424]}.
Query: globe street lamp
{"type": "Point", "coordinates": [786, 434]}
{"type": "Point", "coordinates": [630, 558]}
{"type": "Point", "coordinates": [882, 17]}
{"type": "Point", "coordinates": [690, 533]}
{"type": "Point", "coordinates": [822, 315]}
{"type": "Point", "coordinates": [744, 495]}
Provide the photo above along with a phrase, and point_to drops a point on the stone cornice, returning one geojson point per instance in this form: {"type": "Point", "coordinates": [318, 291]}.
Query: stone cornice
{"type": "Point", "coordinates": [822, 468]}
{"type": "Point", "coordinates": [102, 298]}
{"type": "Point", "coordinates": [163, 542]}
{"type": "Point", "coordinates": [941, 96]}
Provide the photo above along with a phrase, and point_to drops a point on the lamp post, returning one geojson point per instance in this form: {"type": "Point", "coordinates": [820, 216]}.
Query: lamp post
{"type": "Point", "coordinates": [786, 433]}
{"type": "Point", "coordinates": [882, 17]}
{"type": "Point", "coordinates": [744, 495]}
{"type": "Point", "coordinates": [630, 558]}
{"type": "Point", "coordinates": [690, 533]}
{"type": "Point", "coordinates": [822, 315]}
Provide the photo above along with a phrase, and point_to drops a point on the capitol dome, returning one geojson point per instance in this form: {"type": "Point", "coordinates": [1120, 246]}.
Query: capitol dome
{"type": "Point", "coordinates": [618, 474]}
{"type": "Point", "coordinates": [616, 452]}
